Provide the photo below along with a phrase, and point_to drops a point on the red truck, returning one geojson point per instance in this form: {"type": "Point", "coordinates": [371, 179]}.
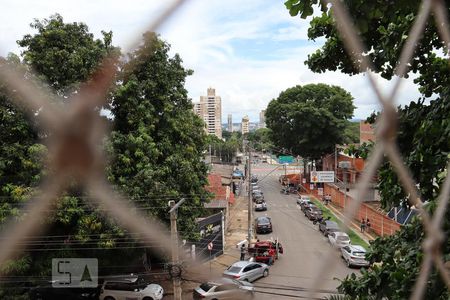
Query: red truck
{"type": "Point", "coordinates": [266, 251]}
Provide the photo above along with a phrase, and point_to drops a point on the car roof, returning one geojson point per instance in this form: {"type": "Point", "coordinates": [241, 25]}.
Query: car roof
{"type": "Point", "coordinates": [122, 279]}
{"type": "Point", "coordinates": [331, 223]}
{"type": "Point", "coordinates": [263, 218]}
{"type": "Point", "coordinates": [357, 248]}
{"type": "Point", "coordinates": [340, 233]}
{"type": "Point", "coordinates": [242, 263]}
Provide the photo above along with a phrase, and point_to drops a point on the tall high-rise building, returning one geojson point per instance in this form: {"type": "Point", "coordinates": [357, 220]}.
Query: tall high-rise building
{"type": "Point", "coordinates": [262, 119]}
{"type": "Point", "coordinates": [210, 110]}
{"type": "Point", "coordinates": [244, 124]}
{"type": "Point", "coordinates": [230, 123]}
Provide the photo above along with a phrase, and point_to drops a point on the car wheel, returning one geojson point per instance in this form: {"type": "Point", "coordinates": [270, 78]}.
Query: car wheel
{"type": "Point", "coordinates": [147, 298]}
{"type": "Point", "coordinates": [348, 264]}
{"type": "Point", "coordinates": [109, 298]}
{"type": "Point", "coordinates": [266, 273]}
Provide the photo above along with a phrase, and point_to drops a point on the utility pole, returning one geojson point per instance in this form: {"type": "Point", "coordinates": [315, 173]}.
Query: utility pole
{"type": "Point", "coordinates": [249, 187]}
{"type": "Point", "coordinates": [175, 255]}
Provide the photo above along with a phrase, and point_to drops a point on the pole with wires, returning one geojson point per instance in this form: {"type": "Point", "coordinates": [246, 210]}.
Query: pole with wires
{"type": "Point", "coordinates": [249, 187]}
{"type": "Point", "coordinates": [175, 254]}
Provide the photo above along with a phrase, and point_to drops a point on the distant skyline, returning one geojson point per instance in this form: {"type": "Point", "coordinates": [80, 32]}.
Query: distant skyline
{"type": "Point", "coordinates": [249, 51]}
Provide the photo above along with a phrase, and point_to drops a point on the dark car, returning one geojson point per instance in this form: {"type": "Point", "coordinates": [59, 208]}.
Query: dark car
{"type": "Point", "coordinates": [327, 226]}
{"type": "Point", "coordinates": [46, 291]}
{"type": "Point", "coordinates": [254, 178]}
{"type": "Point", "coordinates": [284, 190]}
{"type": "Point", "coordinates": [313, 213]}
{"type": "Point", "coordinates": [293, 189]}
{"type": "Point", "coordinates": [307, 205]}
{"type": "Point", "coordinates": [257, 196]}
{"type": "Point", "coordinates": [263, 225]}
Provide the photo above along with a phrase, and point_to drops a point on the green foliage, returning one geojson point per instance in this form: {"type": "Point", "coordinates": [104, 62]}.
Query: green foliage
{"type": "Point", "coordinates": [63, 54]}
{"type": "Point", "coordinates": [300, 115]}
{"type": "Point", "coordinates": [225, 150]}
{"type": "Point", "coordinates": [384, 29]}
{"type": "Point", "coordinates": [396, 262]}
{"type": "Point", "coordinates": [351, 133]}
{"type": "Point", "coordinates": [423, 133]}
{"type": "Point", "coordinates": [261, 139]}
{"type": "Point", "coordinates": [157, 141]}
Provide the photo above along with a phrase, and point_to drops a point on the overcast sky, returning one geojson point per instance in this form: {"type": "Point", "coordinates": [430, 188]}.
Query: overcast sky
{"type": "Point", "coordinates": [249, 50]}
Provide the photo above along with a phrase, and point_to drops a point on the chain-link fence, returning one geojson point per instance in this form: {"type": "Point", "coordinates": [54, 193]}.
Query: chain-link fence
{"type": "Point", "coordinates": [77, 127]}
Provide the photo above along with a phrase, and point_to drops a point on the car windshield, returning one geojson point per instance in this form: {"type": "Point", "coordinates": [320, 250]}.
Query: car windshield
{"type": "Point", "coordinates": [343, 238]}
{"type": "Point", "coordinates": [263, 221]}
{"type": "Point", "coordinates": [206, 286]}
{"type": "Point", "coordinates": [359, 253]}
{"type": "Point", "coordinates": [234, 269]}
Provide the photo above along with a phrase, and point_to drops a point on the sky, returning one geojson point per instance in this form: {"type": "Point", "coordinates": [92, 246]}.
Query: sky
{"type": "Point", "coordinates": [249, 51]}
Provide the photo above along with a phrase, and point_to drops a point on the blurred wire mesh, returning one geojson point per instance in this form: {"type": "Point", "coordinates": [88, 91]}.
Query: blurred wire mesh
{"type": "Point", "coordinates": [86, 164]}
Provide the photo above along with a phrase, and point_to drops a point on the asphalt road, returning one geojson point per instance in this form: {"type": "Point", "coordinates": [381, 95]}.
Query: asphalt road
{"type": "Point", "coordinates": [305, 248]}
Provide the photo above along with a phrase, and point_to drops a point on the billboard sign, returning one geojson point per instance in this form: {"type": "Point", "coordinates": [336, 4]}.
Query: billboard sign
{"type": "Point", "coordinates": [326, 176]}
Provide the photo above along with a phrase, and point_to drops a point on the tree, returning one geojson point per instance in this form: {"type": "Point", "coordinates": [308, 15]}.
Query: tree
{"type": "Point", "coordinates": [383, 29]}
{"type": "Point", "coordinates": [261, 139]}
{"type": "Point", "coordinates": [301, 115]}
{"type": "Point", "coordinates": [157, 141]}
{"type": "Point", "coordinates": [62, 55]}
{"type": "Point", "coordinates": [423, 134]}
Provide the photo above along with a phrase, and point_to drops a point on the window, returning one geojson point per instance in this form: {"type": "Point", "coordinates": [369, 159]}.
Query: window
{"type": "Point", "coordinates": [206, 286]}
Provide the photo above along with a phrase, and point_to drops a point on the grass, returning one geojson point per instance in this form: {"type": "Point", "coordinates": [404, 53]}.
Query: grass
{"type": "Point", "coordinates": [354, 237]}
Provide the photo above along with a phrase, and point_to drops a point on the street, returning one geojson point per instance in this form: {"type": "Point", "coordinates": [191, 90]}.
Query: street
{"type": "Point", "coordinates": [304, 246]}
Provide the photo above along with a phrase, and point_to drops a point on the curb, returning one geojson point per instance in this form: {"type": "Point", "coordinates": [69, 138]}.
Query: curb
{"type": "Point", "coordinates": [366, 237]}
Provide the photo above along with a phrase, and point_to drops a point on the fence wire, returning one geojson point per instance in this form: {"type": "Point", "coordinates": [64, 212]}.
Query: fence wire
{"type": "Point", "coordinates": [78, 131]}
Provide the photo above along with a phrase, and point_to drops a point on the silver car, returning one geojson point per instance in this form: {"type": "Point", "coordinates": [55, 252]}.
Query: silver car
{"type": "Point", "coordinates": [246, 271]}
{"type": "Point", "coordinates": [224, 288]}
{"type": "Point", "coordinates": [354, 255]}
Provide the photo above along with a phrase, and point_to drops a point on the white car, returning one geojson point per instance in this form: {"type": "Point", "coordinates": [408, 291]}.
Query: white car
{"type": "Point", "coordinates": [224, 288]}
{"type": "Point", "coordinates": [338, 239]}
{"type": "Point", "coordinates": [131, 287]}
{"type": "Point", "coordinates": [354, 255]}
{"type": "Point", "coordinates": [302, 199]}
{"type": "Point", "coordinates": [260, 205]}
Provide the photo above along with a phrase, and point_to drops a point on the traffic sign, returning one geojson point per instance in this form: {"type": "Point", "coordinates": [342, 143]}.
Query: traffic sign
{"type": "Point", "coordinates": [210, 246]}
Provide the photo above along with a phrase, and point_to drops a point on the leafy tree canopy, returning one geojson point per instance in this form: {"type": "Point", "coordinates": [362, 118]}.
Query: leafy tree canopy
{"type": "Point", "coordinates": [261, 139]}
{"type": "Point", "coordinates": [64, 54]}
{"type": "Point", "coordinates": [384, 30]}
{"type": "Point", "coordinates": [301, 115]}
{"type": "Point", "coordinates": [157, 140]}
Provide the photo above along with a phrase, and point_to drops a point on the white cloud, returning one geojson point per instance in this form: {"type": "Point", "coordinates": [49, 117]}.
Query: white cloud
{"type": "Point", "coordinates": [215, 38]}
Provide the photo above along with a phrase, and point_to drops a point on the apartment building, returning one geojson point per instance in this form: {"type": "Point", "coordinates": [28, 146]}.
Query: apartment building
{"type": "Point", "coordinates": [210, 110]}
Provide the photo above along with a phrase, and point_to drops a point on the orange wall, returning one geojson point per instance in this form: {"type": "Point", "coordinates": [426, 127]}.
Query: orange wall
{"type": "Point", "coordinates": [380, 223]}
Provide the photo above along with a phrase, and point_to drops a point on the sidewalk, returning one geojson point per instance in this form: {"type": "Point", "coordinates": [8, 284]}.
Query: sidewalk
{"type": "Point", "coordinates": [355, 225]}
{"type": "Point", "coordinates": [237, 232]}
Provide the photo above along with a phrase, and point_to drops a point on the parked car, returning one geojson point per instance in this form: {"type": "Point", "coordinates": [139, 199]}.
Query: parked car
{"type": "Point", "coordinates": [224, 288]}
{"type": "Point", "coordinates": [293, 189]}
{"type": "Point", "coordinates": [284, 190]}
{"type": "Point", "coordinates": [46, 291]}
{"type": "Point", "coordinates": [263, 225]}
{"type": "Point", "coordinates": [266, 251]}
{"type": "Point", "coordinates": [303, 200]}
{"type": "Point", "coordinates": [260, 205]}
{"type": "Point", "coordinates": [255, 187]}
{"type": "Point", "coordinates": [313, 213]}
{"type": "Point", "coordinates": [354, 255]}
{"type": "Point", "coordinates": [338, 239]}
{"type": "Point", "coordinates": [246, 271]}
{"type": "Point", "coordinates": [306, 205]}
{"type": "Point", "coordinates": [327, 226]}
{"type": "Point", "coordinates": [257, 196]}
{"type": "Point", "coordinates": [254, 178]}
{"type": "Point", "coordinates": [130, 287]}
